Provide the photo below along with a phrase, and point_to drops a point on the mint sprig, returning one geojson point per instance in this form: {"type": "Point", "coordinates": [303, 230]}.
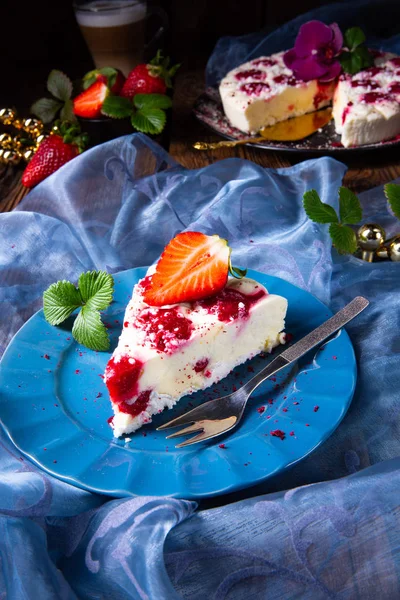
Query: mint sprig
{"type": "Point", "coordinates": [94, 293]}
{"type": "Point", "coordinates": [146, 111]}
{"type": "Point", "coordinates": [356, 57]}
{"type": "Point", "coordinates": [60, 86]}
{"type": "Point", "coordinates": [392, 193]}
{"type": "Point", "coordinates": [350, 212]}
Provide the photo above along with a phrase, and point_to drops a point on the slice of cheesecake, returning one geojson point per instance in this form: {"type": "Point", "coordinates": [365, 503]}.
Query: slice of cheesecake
{"type": "Point", "coordinates": [166, 352]}
{"type": "Point", "coordinates": [264, 91]}
{"type": "Point", "coordinates": [366, 105]}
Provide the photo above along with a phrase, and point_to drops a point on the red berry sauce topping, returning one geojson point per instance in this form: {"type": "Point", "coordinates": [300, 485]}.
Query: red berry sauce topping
{"type": "Point", "coordinates": [346, 112]}
{"type": "Point", "coordinates": [164, 328]}
{"type": "Point", "coordinates": [138, 406]}
{"type": "Point", "coordinates": [395, 62]}
{"type": "Point", "coordinates": [372, 71]}
{"type": "Point", "coordinates": [122, 378]}
{"type": "Point", "coordinates": [231, 304]}
{"type": "Point", "coordinates": [372, 97]}
{"type": "Point", "coordinates": [250, 74]}
{"type": "Point", "coordinates": [394, 88]}
{"type": "Point", "coordinates": [254, 88]}
{"type": "Point", "coordinates": [288, 79]}
{"type": "Point", "coordinates": [266, 62]}
{"type": "Point", "coordinates": [200, 365]}
{"type": "Point", "coordinates": [369, 83]}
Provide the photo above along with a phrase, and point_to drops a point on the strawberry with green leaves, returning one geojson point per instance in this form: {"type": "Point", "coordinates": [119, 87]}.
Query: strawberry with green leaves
{"type": "Point", "coordinates": [152, 78]}
{"type": "Point", "coordinates": [97, 85]}
{"type": "Point", "coordinates": [55, 151]}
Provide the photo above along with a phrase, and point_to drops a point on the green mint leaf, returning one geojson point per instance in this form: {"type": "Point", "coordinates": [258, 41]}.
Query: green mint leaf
{"type": "Point", "coordinates": [353, 37]}
{"type": "Point", "coordinates": [149, 120]}
{"type": "Point", "coordinates": [96, 289]}
{"type": "Point", "coordinates": [152, 101]}
{"type": "Point", "coordinates": [350, 210]}
{"type": "Point", "coordinates": [355, 61]}
{"type": "Point", "coordinates": [317, 210]}
{"type": "Point", "coordinates": [343, 237]}
{"type": "Point", "coordinates": [59, 85]}
{"type": "Point", "coordinates": [117, 107]}
{"type": "Point", "coordinates": [59, 301]}
{"type": "Point", "coordinates": [67, 112]}
{"type": "Point", "coordinates": [89, 330]}
{"type": "Point", "coordinates": [46, 109]}
{"type": "Point", "coordinates": [367, 60]}
{"type": "Point", "coordinates": [392, 193]}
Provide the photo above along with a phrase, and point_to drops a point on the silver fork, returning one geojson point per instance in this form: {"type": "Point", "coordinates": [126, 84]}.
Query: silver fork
{"type": "Point", "coordinates": [223, 414]}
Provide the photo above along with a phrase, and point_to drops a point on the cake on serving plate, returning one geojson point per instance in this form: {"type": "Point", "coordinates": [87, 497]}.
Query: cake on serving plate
{"type": "Point", "coordinates": [186, 327]}
{"type": "Point", "coordinates": [366, 106]}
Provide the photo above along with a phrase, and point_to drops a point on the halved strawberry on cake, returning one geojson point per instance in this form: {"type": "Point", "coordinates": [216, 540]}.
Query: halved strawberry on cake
{"type": "Point", "coordinates": [186, 327]}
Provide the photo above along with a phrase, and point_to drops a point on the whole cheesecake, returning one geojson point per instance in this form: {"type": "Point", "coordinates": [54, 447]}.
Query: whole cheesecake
{"type": "Point", "coordinates": [166, 352]}
{"type": "Point", "coordinates": [366, 106]}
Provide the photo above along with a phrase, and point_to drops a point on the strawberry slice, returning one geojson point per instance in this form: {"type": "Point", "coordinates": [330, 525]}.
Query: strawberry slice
{"type": "Point", "coordinates": [88, 104]}
{"type": "Point", "coordinates": [193, 266]}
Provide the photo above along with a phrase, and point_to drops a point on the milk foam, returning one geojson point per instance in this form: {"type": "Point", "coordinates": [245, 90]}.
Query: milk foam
{"type": "Point", "coordinates": [103, 13]}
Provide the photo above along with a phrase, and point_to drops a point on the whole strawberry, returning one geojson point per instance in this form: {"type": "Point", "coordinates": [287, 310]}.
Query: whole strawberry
{"type": "Point", "coordinates": [152, 78]}
{"type": "Point", "coordinates": [55, 150]}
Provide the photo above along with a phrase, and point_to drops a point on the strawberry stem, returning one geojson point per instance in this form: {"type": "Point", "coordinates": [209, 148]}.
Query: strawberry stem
{"type": "Point", "coordinates": [236, 271]}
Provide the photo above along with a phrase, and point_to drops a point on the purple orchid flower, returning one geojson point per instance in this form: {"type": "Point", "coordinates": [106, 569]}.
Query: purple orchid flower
{"type": "Point", "coordinates": [315, 52]}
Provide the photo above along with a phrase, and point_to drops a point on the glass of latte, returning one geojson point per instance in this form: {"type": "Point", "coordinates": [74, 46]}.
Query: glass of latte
{"type": "Point", "coordinates": [114, 31]}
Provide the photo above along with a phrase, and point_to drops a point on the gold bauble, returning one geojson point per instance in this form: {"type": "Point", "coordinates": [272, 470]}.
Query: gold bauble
{"type": "Point", "coordinates": [394, 249]}
{"type": "Point", "coordinates": [33, 126]}
{"type": "Point", "coordinates": [6, 140]}
{"type": "Point", "coordinates": [11, 157]}
{"type": "Point", "coordinates": [28, 153]}
{"type": "Point", "coordinates": [40, 139]}
{"type": "Point", "coordinates": [18, 123]}
{"type": "Point", "coordinates": [2, 150]}
{"type": "Point", "coordinates": [16, 143]}
{"type": "Point", "coordinates": [7, 116]}
{"type": "Point", "coordinates": [370, 238]}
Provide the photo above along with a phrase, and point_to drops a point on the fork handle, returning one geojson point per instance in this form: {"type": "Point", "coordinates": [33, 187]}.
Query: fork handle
{"type": "Point", "coordinates": [314, 338]}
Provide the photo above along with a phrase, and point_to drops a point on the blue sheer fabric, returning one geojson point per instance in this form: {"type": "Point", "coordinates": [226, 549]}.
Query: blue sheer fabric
{"type": "Point", "coordinates": [115, 207]}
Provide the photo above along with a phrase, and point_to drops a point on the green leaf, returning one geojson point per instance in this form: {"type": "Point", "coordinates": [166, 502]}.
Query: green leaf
{"type": "Point", "coordinates": [349, 207]}
{"type": "Point", "coordinates": [149, 120]}
{"type": "Point", "coordinates": [46, 109]}
{"type": "Point", "coordinates": [59, 301]}
{"type": "Point", "coordinates": [117, 107]}
{"type": "Point", "coordinates": [343, 237]}
{"type": "Point", "coordinates": [59, 85]}
{"type": "Point", "coordinates": [67, 112]}
{"type": "Point", "coordinates": [89, 79]}
{"type": "Point", "coordinates": [89, 330]}
{"type": "Point", "coordinates": [152, 101]}
{"type": "Point", "coordinates": [392, 193]}
{"type": "Point", "coordinates": [353, 62]}
{"type": "Point", "coordinates": [317, 210]}
{"type": "Point", "coordinates": [353, 37]}
{"type": "Point", "coordinates": [96, 289]}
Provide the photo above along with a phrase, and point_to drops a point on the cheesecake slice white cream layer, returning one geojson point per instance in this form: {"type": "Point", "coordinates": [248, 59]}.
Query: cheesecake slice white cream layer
{"type": "Point", "coordinates": [264, 91]}
{"type": "Point", "coordinates": [166, 353]}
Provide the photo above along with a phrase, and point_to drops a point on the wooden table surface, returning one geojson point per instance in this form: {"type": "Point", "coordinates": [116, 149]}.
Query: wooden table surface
{"type": "Point", "coordinates": [364, 171]}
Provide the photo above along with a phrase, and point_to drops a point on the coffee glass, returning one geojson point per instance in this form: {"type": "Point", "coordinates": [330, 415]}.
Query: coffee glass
{"type": "Point", "coordinates": [114, 30]}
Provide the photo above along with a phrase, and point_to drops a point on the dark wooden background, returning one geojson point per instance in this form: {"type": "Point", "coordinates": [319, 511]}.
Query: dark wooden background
{"type": "Point", "coordinates": [43, 35]}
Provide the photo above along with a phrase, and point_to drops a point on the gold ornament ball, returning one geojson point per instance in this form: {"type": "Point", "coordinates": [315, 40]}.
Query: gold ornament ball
{"type": "Point", "coordinates": [394, 249]}
{"type": "Point", "coordinates": [40, 139]}
{"type": "Point", "coordinates": [6, 140]}
{"type": "Point", "coordinates": [18, 124]}
{"type": "Point", "coordinates": [28, 153]}
{"type": "Point", "coordinates": [371, 236]}
{"type": "Point", "coordinates": [16, 143]}
{"type": "Point", "coordinates": [7, 116]}
{"type": "Point", "coordinates": [11, 157]}
{"type": "Point", "coordinates": [2, 150]}
{"type": "Point", "coordinates": [33, 126]}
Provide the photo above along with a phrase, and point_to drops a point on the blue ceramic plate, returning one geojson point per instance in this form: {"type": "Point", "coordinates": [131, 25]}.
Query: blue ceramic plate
{"type": "Point", "coordinates": [54, 407]}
